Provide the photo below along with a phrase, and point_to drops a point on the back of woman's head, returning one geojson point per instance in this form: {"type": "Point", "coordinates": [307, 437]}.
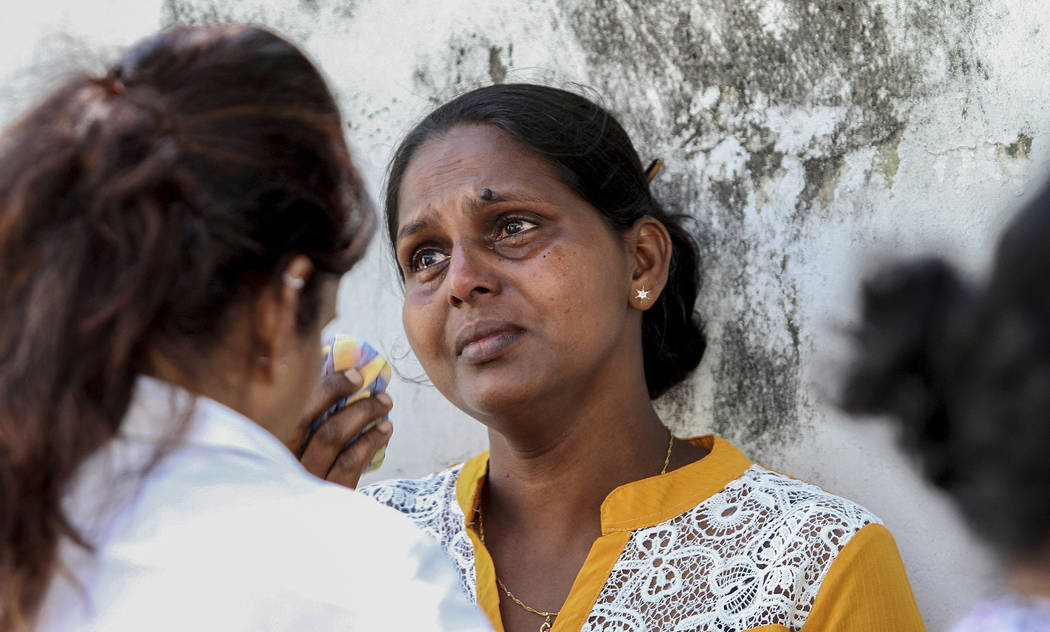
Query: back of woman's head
{"type": "Point", "coordinates": [965, 369]}
{"type": "Point", "coordinates": [594, 156]}
{"type": "Point", "coordinates": [136, 211]}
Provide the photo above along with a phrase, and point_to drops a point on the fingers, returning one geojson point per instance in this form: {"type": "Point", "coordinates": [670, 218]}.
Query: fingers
{"type": "Point", "coordinates": [351, 462]}
{"type": "Point", "coordinates": [328, 442]}
{"type": "Point", "coordinates": [329, 390]}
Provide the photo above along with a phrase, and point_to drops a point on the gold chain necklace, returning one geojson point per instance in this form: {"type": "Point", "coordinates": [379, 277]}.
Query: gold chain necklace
{"type": "Point", "coordinates": [667, 459]}
{"type": "Point", "coordinates": [546, 626]}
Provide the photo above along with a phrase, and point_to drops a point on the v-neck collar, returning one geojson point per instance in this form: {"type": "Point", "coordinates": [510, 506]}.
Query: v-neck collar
{"type": "Point", "coordinates": [635, 505]}
{"type": "Point", "coordinates": [641, 503]}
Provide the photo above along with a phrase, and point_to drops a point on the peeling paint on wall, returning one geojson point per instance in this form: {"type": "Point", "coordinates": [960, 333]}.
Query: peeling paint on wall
{"type": "Point", "coordinates": [799, 86]}
{"type": "Point", "coordinates": [1020, 148]}
{"type": "Point", "coordinates": [756, 393]}
{"type": "Point", "coordinates": [887, 159]}
{"type": "Point", "coordinates": [295, 18]}
{"type": "Point", "coordinates": [497, 70]}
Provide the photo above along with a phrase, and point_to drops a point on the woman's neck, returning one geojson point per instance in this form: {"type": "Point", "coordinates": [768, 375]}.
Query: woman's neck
{"type": "Point", "coordinates": [213, 378]}
{"type": "Point", "coordinates": [595, 447]}
{"type": "Point", "coordinates": [553, 460]}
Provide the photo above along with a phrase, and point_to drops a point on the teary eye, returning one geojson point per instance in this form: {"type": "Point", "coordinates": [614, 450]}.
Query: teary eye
{"type": "Point", "coordinates": [423, 259]}
{"type": "Point", "coordinates": [515, 226]}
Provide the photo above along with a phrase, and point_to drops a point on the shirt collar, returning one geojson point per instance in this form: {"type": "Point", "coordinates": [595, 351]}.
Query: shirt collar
{"type": "Point", "coordinates": [641, 503]}
{"type": "Point", "coordinates": [160, 410]}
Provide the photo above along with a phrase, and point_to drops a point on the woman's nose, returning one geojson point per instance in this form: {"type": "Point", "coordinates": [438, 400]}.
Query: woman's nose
{"type": "Point", "coordinates": [470, 274]}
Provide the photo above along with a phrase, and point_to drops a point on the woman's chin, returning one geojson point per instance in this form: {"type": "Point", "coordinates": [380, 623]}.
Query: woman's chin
{"type": "Point", "coordinates": [485, 399]}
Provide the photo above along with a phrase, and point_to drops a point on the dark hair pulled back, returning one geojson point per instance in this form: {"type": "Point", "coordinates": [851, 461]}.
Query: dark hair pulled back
{"type": "Point", "coordinates": [594, 156]}
{"type": "Point", "coordinates": [965, 370]}
{"type": "Point", "coordinates": [136, 209]}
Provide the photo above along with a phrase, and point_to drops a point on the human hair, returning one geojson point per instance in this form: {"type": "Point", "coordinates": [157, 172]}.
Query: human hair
{"type": "Point", "coordinates": [137, 209]}
{"type": "Point", "coordinates": [964, 368]}
{"type": "Point", "coordinates": [594, 156]}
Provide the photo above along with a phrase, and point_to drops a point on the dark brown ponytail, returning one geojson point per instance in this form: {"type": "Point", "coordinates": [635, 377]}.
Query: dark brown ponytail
{"type": "Point", "coordinates": [135, 210]}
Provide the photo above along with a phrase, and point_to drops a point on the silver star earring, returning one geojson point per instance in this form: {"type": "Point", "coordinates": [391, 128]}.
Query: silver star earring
{"type": "Point", "coordinates": [642, 294]}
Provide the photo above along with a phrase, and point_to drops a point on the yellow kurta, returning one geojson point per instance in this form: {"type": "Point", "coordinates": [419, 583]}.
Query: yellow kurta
{"type": "Point", "coordinates": [721, 545]}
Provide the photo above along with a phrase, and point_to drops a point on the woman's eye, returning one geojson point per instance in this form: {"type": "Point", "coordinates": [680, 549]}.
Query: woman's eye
{"type": "Point", "coordinates": [517, 226]}
{"type": "Point", "coordinates": [424, 259]}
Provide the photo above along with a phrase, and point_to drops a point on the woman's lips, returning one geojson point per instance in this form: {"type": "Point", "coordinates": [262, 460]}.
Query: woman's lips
{"type": "Point", "coordinates": [484, 342]}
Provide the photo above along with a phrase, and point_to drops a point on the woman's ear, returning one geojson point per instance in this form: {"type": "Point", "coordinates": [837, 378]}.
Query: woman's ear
{"type": "Point", "coordinates": [276, 317]}
{"type": "Point", "coordinates": [650, 251]}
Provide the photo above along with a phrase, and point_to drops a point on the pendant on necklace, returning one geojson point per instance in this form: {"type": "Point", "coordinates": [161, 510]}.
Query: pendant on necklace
{"type": "Point", "coordinates": [546, 627]}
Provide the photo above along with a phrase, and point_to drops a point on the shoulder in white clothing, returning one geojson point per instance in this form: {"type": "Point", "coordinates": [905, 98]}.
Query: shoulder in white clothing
{"type": "Point", "coordinates": [229, 532]}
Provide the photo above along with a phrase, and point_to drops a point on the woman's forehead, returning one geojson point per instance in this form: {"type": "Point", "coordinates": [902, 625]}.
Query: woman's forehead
{"type": "Point", "coordinates": [452, 168]}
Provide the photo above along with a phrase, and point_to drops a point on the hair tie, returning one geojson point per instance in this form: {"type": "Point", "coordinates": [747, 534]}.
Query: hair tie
{"type": "Point", "coordinates": [653, 168]}
{"type": "Point", "coordinates": [113, 84]}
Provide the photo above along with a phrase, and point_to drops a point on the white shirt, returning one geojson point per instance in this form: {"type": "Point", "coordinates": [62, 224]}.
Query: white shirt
{"type": "Point", "coordinates": [229, 532]}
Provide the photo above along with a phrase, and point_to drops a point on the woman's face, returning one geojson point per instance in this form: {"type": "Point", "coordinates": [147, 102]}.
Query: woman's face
{"type": "Point", "coordinates": [516, 289]}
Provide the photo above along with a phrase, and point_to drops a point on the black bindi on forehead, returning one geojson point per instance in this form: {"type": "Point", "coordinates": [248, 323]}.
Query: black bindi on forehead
{"type": "Point", "coordinates": [486, 194]}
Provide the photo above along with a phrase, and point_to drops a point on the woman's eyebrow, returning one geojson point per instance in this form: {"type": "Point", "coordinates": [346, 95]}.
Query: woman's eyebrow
{"type": "Point", "coordinates": [411, 228]}
{"type": "Point", "coordinates": [471, 206]}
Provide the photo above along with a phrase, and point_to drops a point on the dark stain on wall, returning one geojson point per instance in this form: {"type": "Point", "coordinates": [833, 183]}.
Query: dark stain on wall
{"type": "Point", "coordinates": [174, 12]}
{"type": "Point", "coordinates": [822, 174]}
{"type": "Point", "coordinates": [468, 61]}
{"type": "Point", "coordinates": [887, 158]}
{"type": "Point", "coordinates": [720, 67]}
{"type": "Point", "coordinates": [1021, 148]}
{"type": "Point", "coordinates": [764, 161]}
{"type": "Point", "coordinates": [838, 55]}
{"type": "Point", "coordinates": [804, 54]}
{"type": "Point", "coordinates": [198, 12]}
{"type": "Point", "coordinates": [497, 71]}
{"type": "Point", "coordinates": [790, 304]}
{"type": "Point", "coordinates": [756, 392]}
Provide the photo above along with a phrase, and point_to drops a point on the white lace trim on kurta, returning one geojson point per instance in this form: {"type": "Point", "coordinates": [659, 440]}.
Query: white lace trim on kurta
{"type": "Point", "coordinates": [753, 554]}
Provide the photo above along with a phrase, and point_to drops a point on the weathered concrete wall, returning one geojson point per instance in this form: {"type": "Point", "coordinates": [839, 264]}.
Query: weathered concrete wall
{"type": "Point", "coordinates": [809, 139]}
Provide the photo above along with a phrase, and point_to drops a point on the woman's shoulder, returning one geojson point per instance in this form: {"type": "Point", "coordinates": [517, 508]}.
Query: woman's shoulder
{"type": "Point", "coordinates": [843, 562]}
{"type": "Point", "coordinates": [797, 503]}
{"type": "Point", "coordinates": [775, 521]}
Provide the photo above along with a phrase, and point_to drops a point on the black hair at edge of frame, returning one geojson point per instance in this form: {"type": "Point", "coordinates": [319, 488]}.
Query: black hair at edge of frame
{"type": "Point", "coordinates": [594, 156]}
{"type": "Point", "coordinates": [964, 368]}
